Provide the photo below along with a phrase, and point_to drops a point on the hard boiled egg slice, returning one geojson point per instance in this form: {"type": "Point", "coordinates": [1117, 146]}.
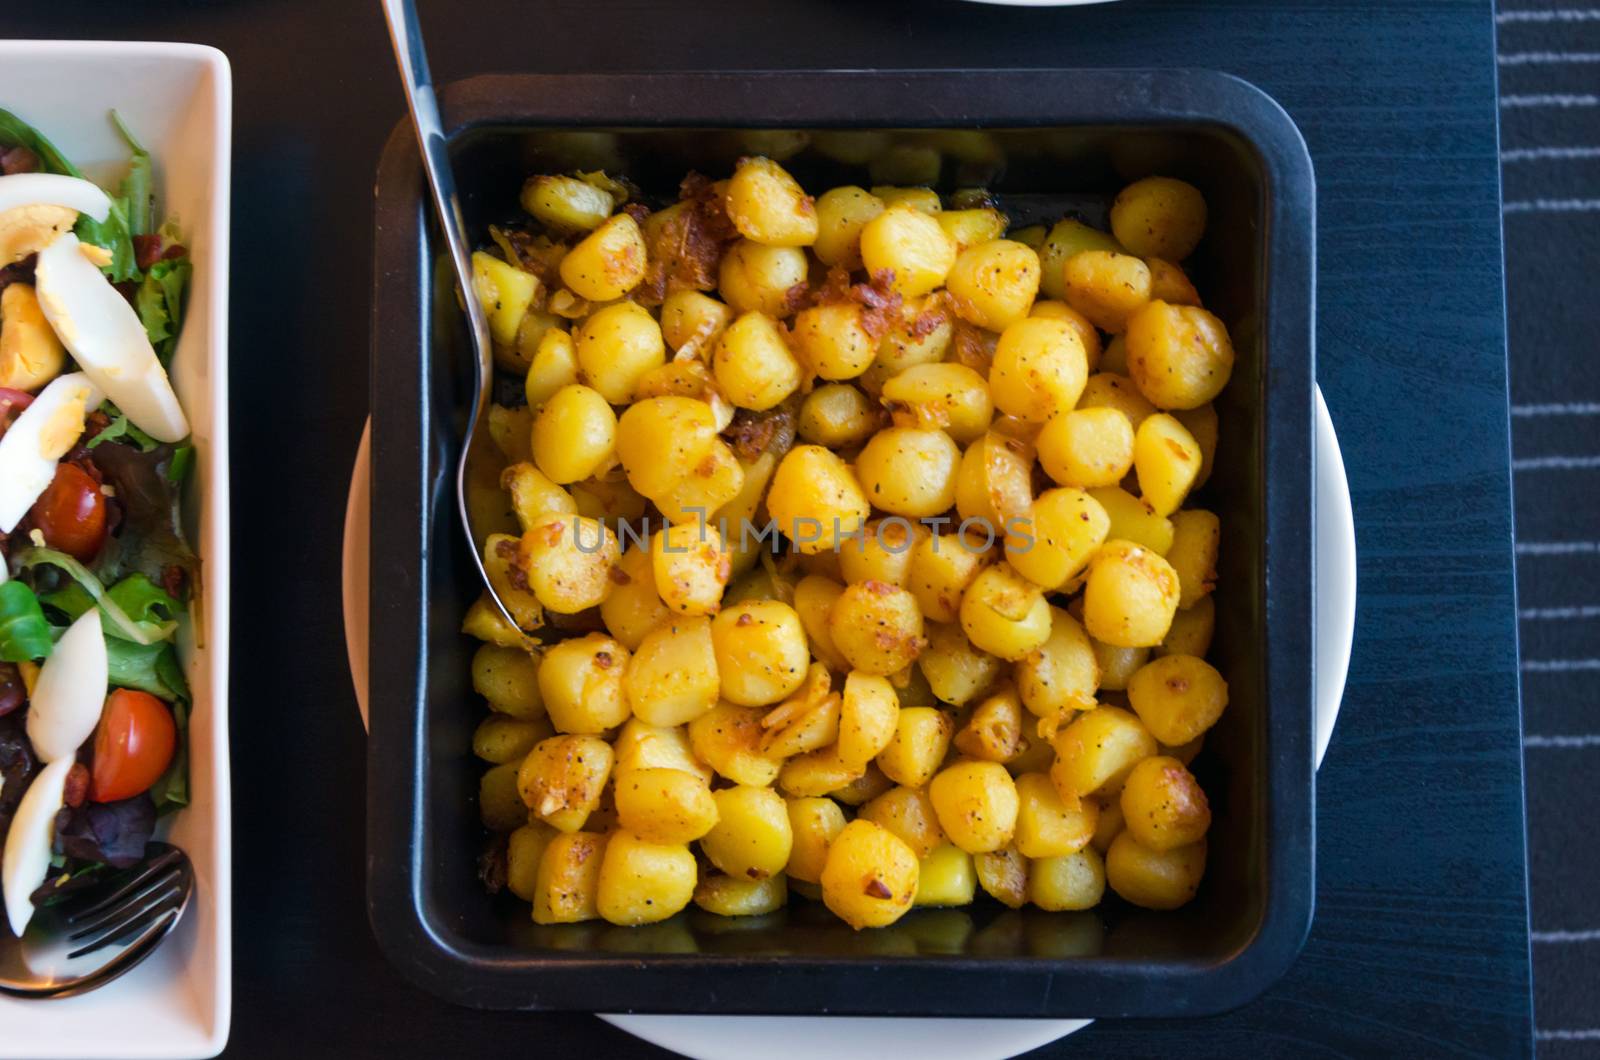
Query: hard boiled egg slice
{"type": "Point", "coordinates": [51, 189]}
{"type": "Point", "coordinates": [106, 339]}
{"type": "Point", "coordinates": [33, 833]}
{"type": "Point", "coordinates": [71, 690]}
{"type": "Point", "coordinates": [38, 438]}
{"type": "Point", "coordinates": [35, 208]}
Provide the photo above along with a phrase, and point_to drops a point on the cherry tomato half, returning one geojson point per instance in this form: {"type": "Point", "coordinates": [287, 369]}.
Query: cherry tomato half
{"type": "Point", "coordinates": [71, 513]}
{"type": "Point", "coordinates": [133, 745]}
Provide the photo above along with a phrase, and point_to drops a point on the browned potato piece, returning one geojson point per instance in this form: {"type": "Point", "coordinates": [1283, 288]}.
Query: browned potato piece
{"type": "Point", "coordinates": [1202, 424]}
{"type": "Point", "coordinates": [993, 284]}
{"type": "Point", "coordinates": [921, 738]}
{"type": "Point", "coordinates": [1004, 614]}
{"type": "Point", "coordinates": [1046, 826]}
{"type": "Point", "coordinates": [1159, 217]}
{"type": "Point", "coordinates": [970, 227]}
{"type": "Point", "coordinates": [672, 678]}
{"type": "Point", "coordinates": [1163, 805]}
{"type": "Point", "coordinates": [1167, 460]}
{"type": "Point", "coordinates": [644, 746]}
{"type": "Point", "coordinates": [814, 597]}
{"type": "Point", "coordinates": [643, 882]}
{"type": "Point", "coordinates": [868, 714]}
{"type": "Point", "coordinates": [911, 244]}
{"type": "Point", "coordinates": [1179, 356]}
{"type": "Point", "coordinates": [581, 683]}
{"type": "Point", "coordinates": [1191, 630]}
{"type": "Point", "coordinates": [1195, 534]}
{"type": "Point", "coordinates": [1155, 879]}
{"type": "Point", "coordinates": [1039, 369]}
{"type": "Point", "coordinates": [1069, 882]}
{"type": "Point", "coordinates": [941, 568]}
{"type": "Point", "coordinates": [954, 669]}
{"type": "Point", "coordinates": [876, 627]}
{"type": "Point", "coordinates": [1107, 287]}
{"type": "Point", "coordinates": [752, 837]}
{"type": "Point", "coordinates": [841, 215]}
{"type": "Point", "coordinates": [1097, 752]}
{"type": "Point", "coordinates": [976, 803]}
{"type": "Point", "coordinates": [693, 319]}
{"type": "Point", "coordinates": [728, 739]}
{"type": "Point", "coordinates": [730, 896]}
{"type": "Point", "coordinates": [863, 789]}
{"type": "Point", "coordinates": [815, 499]}
{"type": "Point", "coordinates": [993, 732]}
{"type": "Point", "coordinates": [567, 885]}
{"type": "Point", "coordinates": [1062, 674]}
{"type": "Point", "coordinates": [870, 876]}
{"type": "Point", "coordinates": [1068, 238]}
{"type": "Point", "coordinates": [1087, 447]}
{"type": "Point", "coordinates": [633, 608]}
{"type": "Point", "coordinates": [761, 652]}
{"type": "Point", "coordinates": [768, 206]}
{"type": "Point", "coordinates": [1131, 596]}
{"type": "Point", "coordinates": [574, 434]}
{"type": "Point", "coordinates": [1108, 390]}
{"type": "Point", "coordinates": [819, 772]}
{"type": "Point", "coordinates": [832, 340]}
{"type": "Point", "coordinates": [1168, 283]}
{"type": "Point", "coordinates": [562, 778]}
{"type": "Point", "coordinates": [1134, 520]}
{"type": "Point", "coordinates": [500, 564]}
{"type": "Point", "coordinates": [881, 553]}
{"type": "Point", "coordinates": [661, 440]}
{"type": "Point", "coordinates": [1178, 697]}
{"type": "Point", "coordinates": [664, 805]}
{"type": "Point", "coordinates": [909, 814]}
{"type": "Point", "coordinates": [1060, 534]}
{"type": "Point", "coordinates": [567, 561]}
{"type": "Point", "coordinates": [1117, 665]}
{"type": "Point", "coordinates": [691, 568]}
{"type": "Point", "coordinates": [814, 823]}
{"type": "Point", "coordinates": [754, 366]}
{"type": "Point", "coordinates": [838, 416]}
{"type": "Point", "coordinates": [948, 396]}
{"type": "Point", "coordinates": [1003, 875]}
{"type": "Point", "coordinates": [608, 263]}
{"type": "Point", "coordinates": [909, 471]}
{"type": "Point", "coordinates": [1109, 823]}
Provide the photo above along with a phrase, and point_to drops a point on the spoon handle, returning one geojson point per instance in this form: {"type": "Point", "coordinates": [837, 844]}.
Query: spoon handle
{"type": "Point", "coordinates": [405, 34]}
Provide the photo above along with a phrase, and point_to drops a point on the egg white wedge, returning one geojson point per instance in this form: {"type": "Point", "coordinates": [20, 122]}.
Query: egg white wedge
{"type": "Point", "coordinates": [38, 438]}
{"type": "Point", "coordinates": [33, 833]}
{"type": "Point", "coordinates": [51, 189]}
{"type": "Point", "coordinates": [106, 338]}
{"type": "Point", "coordinates": [71, 691]}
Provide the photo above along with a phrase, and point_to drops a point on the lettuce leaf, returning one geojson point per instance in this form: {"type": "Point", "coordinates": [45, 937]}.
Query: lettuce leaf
{"type": "Point", "coordinates": [137, 592]}
{"type": "Point", "coordinates": [159, 301]}
{"type": "Point", "coordinates": [151, 538]}
{"type": "Point", "coordinates": [122, 430]}
{"type": "Point", "coordinates": [24, 633]}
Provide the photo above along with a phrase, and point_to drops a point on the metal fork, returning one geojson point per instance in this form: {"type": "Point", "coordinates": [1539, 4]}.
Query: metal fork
{"type": "Point", "coordinates": [89, 938]}
{"type": "Point", "coordinates": [405, 33]}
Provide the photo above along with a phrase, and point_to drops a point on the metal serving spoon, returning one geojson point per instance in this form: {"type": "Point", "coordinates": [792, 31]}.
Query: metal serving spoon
{"type": "Point", "coordinates": [405, 33]}
{"type": "Point", "coordinates": [91, 937]}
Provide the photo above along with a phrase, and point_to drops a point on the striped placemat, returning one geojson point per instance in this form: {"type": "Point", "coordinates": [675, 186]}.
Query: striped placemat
{"type": "Point", "coordinates": [1549, 58]}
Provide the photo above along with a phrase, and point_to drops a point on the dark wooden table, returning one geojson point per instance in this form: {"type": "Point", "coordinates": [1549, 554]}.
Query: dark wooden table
{"type": "Point", "coordinates": [1420, 943]}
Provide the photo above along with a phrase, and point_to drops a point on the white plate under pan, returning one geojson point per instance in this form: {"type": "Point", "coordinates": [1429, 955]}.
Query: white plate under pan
{"type": "Point", "coordinates": [809, 1037]}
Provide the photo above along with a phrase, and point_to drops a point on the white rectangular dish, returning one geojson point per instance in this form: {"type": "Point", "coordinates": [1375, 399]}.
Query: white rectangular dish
{"type": "Point", "coordinates": [178, 100]}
